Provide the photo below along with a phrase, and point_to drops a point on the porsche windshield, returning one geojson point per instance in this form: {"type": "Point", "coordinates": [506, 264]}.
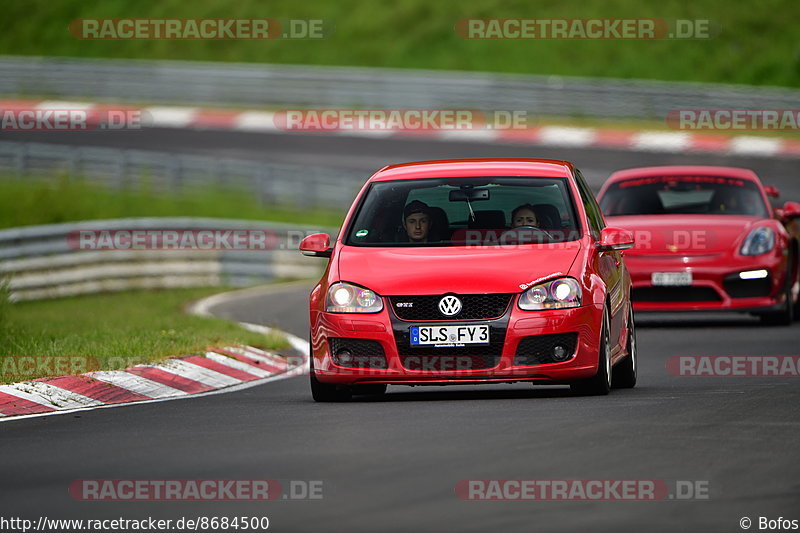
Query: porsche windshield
{"type": "Point", "coordinates": [669, 195]}
{"type": "Point", "coordinates": [477, 211]}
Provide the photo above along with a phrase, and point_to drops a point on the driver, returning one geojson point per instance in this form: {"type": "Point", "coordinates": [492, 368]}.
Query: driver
{"type": "Point", "coordinates": [417, 221]}
{"type": "Point", "coordinates": [523, 215]}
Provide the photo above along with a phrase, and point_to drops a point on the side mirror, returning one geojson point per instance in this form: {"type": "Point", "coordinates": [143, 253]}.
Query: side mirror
{"type": "Point", "coordinates": [615, 239]}
{"type": "Point", "coordinates": [317, 245]}
{"type": "Point", "coordinates": [772, 191]}
{"type": "Point", "coordinates": [790, 211]}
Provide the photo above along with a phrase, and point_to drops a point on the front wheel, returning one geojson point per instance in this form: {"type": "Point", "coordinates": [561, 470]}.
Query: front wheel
{"type": "Point", "coordinates": [625, 371]}
{"type": "Point", "coordinates": [785, 316]}
{"type": "Point", "coordinates": [325, 392]}
{"type": "Point", "coordinates": [600, 383]}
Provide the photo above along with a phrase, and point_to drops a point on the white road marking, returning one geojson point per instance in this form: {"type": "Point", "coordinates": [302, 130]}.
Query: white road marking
{"type": "Point", "coordinates": [256, 121]}
{"type": "Point", "coordinates": [48, 395]}
{"type": "Point", "coordinates": [137, 384]}
{"type": "Point", "coordinates": [198, 373]}
{"type": "Point", "coordinates": [752, 145]}
{"type": "Point", "coordinates": [658, 141]}
{"type": "Point", "coordinates": [238, 365]}
{"type": "Point", "coordinates": [565, 136]}
{"type": "Point", "coordinates": [259, 355]}
{"type": "Point", "coordinates": [171, 116]}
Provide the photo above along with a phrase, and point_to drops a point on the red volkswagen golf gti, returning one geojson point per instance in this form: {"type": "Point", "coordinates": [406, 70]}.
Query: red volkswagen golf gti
{"type": "Point", "coordinates": [707, 239]}
{"type": "Point", "coordinates": [472, 271]}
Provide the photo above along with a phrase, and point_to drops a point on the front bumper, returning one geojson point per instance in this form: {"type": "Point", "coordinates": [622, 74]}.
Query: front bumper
{"type": "Point", "coordinates": [716, 285]}
{"type": "Point", "coordinates": [458, 366]}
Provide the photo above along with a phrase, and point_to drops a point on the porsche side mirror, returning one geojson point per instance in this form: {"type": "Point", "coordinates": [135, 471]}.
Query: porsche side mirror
{"type": "Point", "coordinates": [790, 211]}
{"type": "Point", "coordinates": [615, 239]}
{"type": "Point", "coordinates": [317, 245]}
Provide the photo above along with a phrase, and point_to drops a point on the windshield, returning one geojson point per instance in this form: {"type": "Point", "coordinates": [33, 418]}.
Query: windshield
{"type": "Point", "coordinates": [477, 211]}
{"type": "Point", "coordinates": [668, 195]}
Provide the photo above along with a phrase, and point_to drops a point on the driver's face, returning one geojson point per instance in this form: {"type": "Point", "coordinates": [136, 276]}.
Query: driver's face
{"type": "Point", "coordinates": [417, 226]}
{"type": "Point", "coordinates": [524, 217]}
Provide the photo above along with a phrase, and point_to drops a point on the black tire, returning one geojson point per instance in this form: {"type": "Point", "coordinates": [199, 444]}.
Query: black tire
{"type": "Point", "coordinates": [369, 389]}
{"type": "Point", "coordinates": [625, 372]}
{"type": "Point", "coordinates": [785, 316]}
{"type": "Point", "coordinates": [600, 383]}
{"type": "Point", "coordinates": [325, 392]}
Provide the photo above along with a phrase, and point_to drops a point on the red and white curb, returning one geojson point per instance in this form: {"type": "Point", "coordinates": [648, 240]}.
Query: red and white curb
{"type": "Point", "coordinates": [557, 136]}
{"type": "Point", "coordinates": [218, 370]}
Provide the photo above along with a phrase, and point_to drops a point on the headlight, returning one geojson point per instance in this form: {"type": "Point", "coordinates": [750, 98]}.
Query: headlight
{"type": "Point", "coordinates": [347, 298]}
{"type": "Point", "coordinates": [759, 241]}
{"type": "Point", "coordinates": [557, 294]}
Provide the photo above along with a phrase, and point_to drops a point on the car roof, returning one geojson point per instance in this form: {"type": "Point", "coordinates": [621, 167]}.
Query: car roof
{"type": "Point", "coordinates": [684, 170]}
{"type": "Point", "coordinates": [465, 168]}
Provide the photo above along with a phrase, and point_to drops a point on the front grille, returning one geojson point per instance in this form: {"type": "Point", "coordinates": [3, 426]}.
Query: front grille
{"type": "Point", "coordinates": [456, 358]}
{"type": "Point", "coordinates": [363, 353]}
{"type": "Point", "coordinates": [474, 307]}
{"type": "Point", "coordinates": [538, 349]}
{"type": "Point", "coordinates": [674, 294]}
{"type": "Point", "coordinates": [747, 288]}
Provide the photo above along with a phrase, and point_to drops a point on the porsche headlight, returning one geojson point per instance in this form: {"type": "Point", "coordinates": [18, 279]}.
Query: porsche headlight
{"type": "Point", "coordinates": [555, 294]}
{"type": "Point", "coordinates": [347, 298]}
{"type": "Point", "coordinates": [759, 241]}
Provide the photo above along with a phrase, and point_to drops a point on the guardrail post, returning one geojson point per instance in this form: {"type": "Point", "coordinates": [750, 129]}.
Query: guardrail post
{"type": "Point", "coordinates": [21, 159]}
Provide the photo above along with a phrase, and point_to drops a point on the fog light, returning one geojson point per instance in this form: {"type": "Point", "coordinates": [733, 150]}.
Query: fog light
{"type": "Point", "coordinates": [343, 357]}
{"type": "Point", "coordinates": [560, 353]}
{"type": "Point", "coordinates": [753, 274]}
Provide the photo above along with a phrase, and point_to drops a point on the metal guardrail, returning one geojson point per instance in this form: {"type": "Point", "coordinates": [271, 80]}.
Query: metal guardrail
{"type": "Point", "coordinates": [270, 183]}
{"type": "Point", "coordinates": [40, 262]}
{"type": "Point", "coordinates": [268, 85]}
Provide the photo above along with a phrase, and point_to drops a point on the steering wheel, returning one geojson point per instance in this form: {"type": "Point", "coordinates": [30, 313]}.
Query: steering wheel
{"type": "Point", "coordinates": [534, 228]}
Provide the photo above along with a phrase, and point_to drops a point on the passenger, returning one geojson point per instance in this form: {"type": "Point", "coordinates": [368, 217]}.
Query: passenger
{"type": "Point", "coordinates": [417, 221]}
{"type": "Point", "coordinates": [523, 215]}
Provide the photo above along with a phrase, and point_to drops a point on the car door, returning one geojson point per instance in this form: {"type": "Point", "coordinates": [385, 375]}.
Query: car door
{"type": "Point", "coordinates": [609, 264]}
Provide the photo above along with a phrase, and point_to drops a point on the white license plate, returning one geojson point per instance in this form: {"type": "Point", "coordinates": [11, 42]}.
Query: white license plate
{"type": "Point", "coordinates": [671, 279]}
{"type": "Point", "coordinates": [449, 335]}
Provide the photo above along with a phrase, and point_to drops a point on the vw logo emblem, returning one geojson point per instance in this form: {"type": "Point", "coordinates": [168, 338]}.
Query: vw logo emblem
{"type": "Point", "coordinates": [450, 305]}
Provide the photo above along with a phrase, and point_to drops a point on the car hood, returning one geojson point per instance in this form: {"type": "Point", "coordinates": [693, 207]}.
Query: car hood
{"type": "Point", "coordinates": [684, 234]}
{"type": "Point", "coordinates": [423, 270]}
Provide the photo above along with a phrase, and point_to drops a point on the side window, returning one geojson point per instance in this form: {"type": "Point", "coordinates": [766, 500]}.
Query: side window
{"type": "Point", "coordinates": [593, 213]}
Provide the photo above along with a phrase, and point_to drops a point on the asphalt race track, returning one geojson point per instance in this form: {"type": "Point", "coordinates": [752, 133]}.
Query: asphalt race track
{"type": "Point", "coordinates": [392, 464]}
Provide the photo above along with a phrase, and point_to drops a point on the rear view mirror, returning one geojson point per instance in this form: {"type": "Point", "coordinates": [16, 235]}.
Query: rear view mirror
{"type": "Point", "coordinates": [317, 245]}
{"type": "Point", "coordinates": [790, 211]}
{"type": "Point", "coordinates": [469, 195]}
{"type": "Point", "coordinates": [615, 239]}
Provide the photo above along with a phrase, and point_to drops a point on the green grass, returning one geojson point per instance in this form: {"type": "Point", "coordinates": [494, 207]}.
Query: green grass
{"type": "Point", "coordinates": [25, 201]}
{"type": "Point", "coordinates": [110, 331]}
{"type": "Point", "coordinates": [757, 43]}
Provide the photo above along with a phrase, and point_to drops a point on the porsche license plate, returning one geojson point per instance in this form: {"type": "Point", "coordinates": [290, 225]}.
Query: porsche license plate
{"type": "Point", "coordinates": [671, 279]}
